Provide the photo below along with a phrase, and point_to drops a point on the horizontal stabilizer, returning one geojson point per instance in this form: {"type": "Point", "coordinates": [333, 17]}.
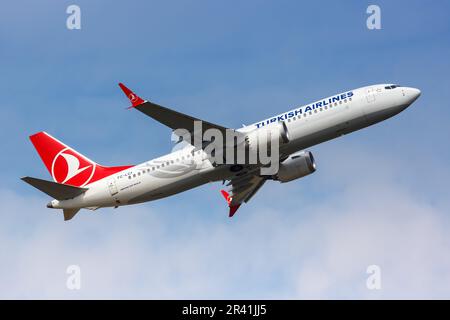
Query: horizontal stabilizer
{"type": "Point", "coordinates": [69, 213]}
{"type": "Point", "coordinates": [53, 189]}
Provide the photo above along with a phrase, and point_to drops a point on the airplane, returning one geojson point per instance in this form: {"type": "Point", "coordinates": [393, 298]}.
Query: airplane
{"type": "Point", "coordinates": [79, 182]}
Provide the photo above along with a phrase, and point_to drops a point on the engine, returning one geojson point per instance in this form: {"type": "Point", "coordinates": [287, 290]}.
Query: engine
{"type": "Point", "coordinates": [296, 166]}
{"type": "Point", "coordinates": [263, 134]}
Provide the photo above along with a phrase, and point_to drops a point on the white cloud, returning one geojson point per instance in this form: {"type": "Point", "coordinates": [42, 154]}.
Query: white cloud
{"type": "Point", "coordinates": [321, 249]}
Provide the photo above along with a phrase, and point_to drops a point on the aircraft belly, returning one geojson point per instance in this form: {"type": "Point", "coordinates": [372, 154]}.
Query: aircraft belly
{"type": "Point", "coordinates": [383, 114]}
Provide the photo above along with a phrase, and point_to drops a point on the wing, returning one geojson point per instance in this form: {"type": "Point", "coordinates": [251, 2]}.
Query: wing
{"type": "Point", "coordinates": [171, 118]}
{"type": "Point", "coordinates": [243, 188]}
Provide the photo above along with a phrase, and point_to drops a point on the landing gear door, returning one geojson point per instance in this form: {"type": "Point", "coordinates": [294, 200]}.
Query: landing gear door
{"type": "Point", "coordinates": [112, 187]}
{"type": "Point", "coordinates": [370, 95]}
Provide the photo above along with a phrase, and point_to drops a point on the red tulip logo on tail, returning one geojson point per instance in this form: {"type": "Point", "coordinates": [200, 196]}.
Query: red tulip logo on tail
{"type": "Point", "coordinates": [69, 168]}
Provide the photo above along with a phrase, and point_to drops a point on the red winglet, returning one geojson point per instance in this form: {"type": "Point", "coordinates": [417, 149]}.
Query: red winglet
{"type": "Point", "coordinates": [134, 98]}
{"type": "Point", "coordinates": [226, 195]}
{"type": "Point", "coordinates": [228, 198]}
{"type": "Point", "coordinates": [233, 210]}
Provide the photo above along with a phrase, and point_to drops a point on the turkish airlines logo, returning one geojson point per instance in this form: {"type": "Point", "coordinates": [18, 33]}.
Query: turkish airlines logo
{"type": "Point", "coordinates": [132, 97]}
{"type": "Point", "coordinates": [69, 168]}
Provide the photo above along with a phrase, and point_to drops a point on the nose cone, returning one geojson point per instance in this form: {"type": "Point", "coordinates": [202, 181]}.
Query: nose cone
{"type": "Point", "coordinates": [415, 93]}
{"type": "Point", "coordinates": [412, 94]}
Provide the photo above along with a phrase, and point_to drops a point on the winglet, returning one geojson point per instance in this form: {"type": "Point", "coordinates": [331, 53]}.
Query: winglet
{"type": "Point", "coordinates": [226, 195]}
{"type": "Point", "coordinates": [228, 198]}
{"type": "Point", "coordinates": [134, 98]}
{"type": "Point", "coordinates": [233, 210]}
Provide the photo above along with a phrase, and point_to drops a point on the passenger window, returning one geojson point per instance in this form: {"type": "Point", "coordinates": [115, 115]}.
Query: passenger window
{"type": "Point", "coordinates": [320, 109]}
{"type": "Point", "coordinates": [340, 102]}
{"type": "Point", "coordinates": [134, 175]}
{"type": "Point", "coordinates": [315, 110]}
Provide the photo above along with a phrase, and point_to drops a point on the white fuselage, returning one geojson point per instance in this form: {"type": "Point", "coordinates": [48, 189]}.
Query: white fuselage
{"type": "Point", "coordinates": [185, 169]}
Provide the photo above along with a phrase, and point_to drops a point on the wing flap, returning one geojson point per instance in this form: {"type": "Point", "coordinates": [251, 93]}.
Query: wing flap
{"type": "Point", "coordinates": [243, 188]}
{"type": "Point", "coordinates": [243, 194]}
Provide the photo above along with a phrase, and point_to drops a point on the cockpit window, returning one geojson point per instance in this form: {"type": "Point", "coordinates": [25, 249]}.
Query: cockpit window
{"type": "Point", "coordinates": [392, 87]}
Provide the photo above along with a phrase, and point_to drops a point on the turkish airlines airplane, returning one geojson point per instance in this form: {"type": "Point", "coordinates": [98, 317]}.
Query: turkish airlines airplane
{"type": "Point", "coordinates": [81, 183]}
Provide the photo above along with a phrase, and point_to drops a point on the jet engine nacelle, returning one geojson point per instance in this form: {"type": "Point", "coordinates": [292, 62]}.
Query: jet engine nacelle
{"type": "Point", "coordinates": [296, 166]}
{"type": "Point", "coordinates": [265, 134]}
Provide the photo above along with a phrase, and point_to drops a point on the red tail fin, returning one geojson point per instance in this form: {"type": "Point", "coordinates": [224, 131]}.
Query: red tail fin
{"type": "Point", "coordinates": [66, 165]}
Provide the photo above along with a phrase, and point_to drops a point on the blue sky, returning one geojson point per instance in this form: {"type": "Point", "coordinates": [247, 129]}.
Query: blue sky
{"type": "Point", "coordinates": [380, 195]}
